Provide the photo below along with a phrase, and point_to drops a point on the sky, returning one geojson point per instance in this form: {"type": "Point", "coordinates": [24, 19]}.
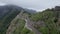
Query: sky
{"type": "Point", "coordinates": [32, 4]}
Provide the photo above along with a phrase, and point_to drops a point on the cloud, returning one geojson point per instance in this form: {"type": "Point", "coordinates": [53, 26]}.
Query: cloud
{"type": "Point", "coordinates": [35, 4]}
{"type": "Point", "coordinates": [2, 4]}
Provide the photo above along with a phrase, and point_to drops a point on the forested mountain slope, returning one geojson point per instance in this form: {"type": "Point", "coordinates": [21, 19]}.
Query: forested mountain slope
{"type": "Point", "coordinates": [48, 21]}
{"type": "Point", "coordinates": [7, 14]}
{"type": "Point", "coordinates": [45, 22]}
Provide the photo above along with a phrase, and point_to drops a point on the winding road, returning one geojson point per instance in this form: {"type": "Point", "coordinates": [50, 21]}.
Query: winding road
{"type": "Point", "coordinates": [28, 25]}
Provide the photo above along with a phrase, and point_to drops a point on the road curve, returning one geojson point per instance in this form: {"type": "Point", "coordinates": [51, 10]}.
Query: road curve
{"type": "Point", "coordinates": [29, 26]}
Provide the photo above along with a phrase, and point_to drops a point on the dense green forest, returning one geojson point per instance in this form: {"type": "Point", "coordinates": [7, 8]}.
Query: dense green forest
{"type": "Point", "coordinates": [5, 21]}
{"type": "Point", "coordinates": [50, 19]}
{"type": "Point", "coordinates": [21, 29]}
{"type": "Point", "coordinates": [46, 22]}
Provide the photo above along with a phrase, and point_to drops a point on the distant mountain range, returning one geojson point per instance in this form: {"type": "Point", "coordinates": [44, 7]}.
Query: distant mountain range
{"type": "Point", "coordinates": [9, 8]}
{"type": "Point", "coordinates": [4, 10]}
{"type": "Point", "coordinates": [31, 11]}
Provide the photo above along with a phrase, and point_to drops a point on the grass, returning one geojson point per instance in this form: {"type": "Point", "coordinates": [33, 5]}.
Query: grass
{"type": "Point", "coordinates": [50, 21]}
{"type": "Point", "coordinates": [26, 31]}
{"type": "Point", "coordinates": [21, 24]}
{"type": "Point", "coordinates": [5, 21]}
{"type": "Point", "coordinates": [21, 29]}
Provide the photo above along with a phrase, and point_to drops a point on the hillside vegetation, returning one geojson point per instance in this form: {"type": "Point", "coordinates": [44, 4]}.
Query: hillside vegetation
{"type": "Point", "coordinates": [7, 14]}
{"type": "Point", "coordinates": [51, 21]}
{"type": "Point", "coordinates": [5, 22]}
{"type": "Point", "coordinates": [46, 22]}
{"type": "Point", "coordinates": [21, 29]}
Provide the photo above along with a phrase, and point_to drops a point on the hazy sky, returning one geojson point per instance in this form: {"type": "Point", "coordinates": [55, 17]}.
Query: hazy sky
{"type": "Point", "coordinates": [34, 4]}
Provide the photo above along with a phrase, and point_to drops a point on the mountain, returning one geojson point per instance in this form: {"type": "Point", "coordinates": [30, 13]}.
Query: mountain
{"type": "Point", "coordinates": [9, 8]}
{"type": "Point", "coordinates": [31, 11]}
{"type": "Point", "coordinates": [47, 21]}
{"type": "Point", "coordinates": [8, 13]}
{"type": "Point", "coordinates": [4, 10]}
